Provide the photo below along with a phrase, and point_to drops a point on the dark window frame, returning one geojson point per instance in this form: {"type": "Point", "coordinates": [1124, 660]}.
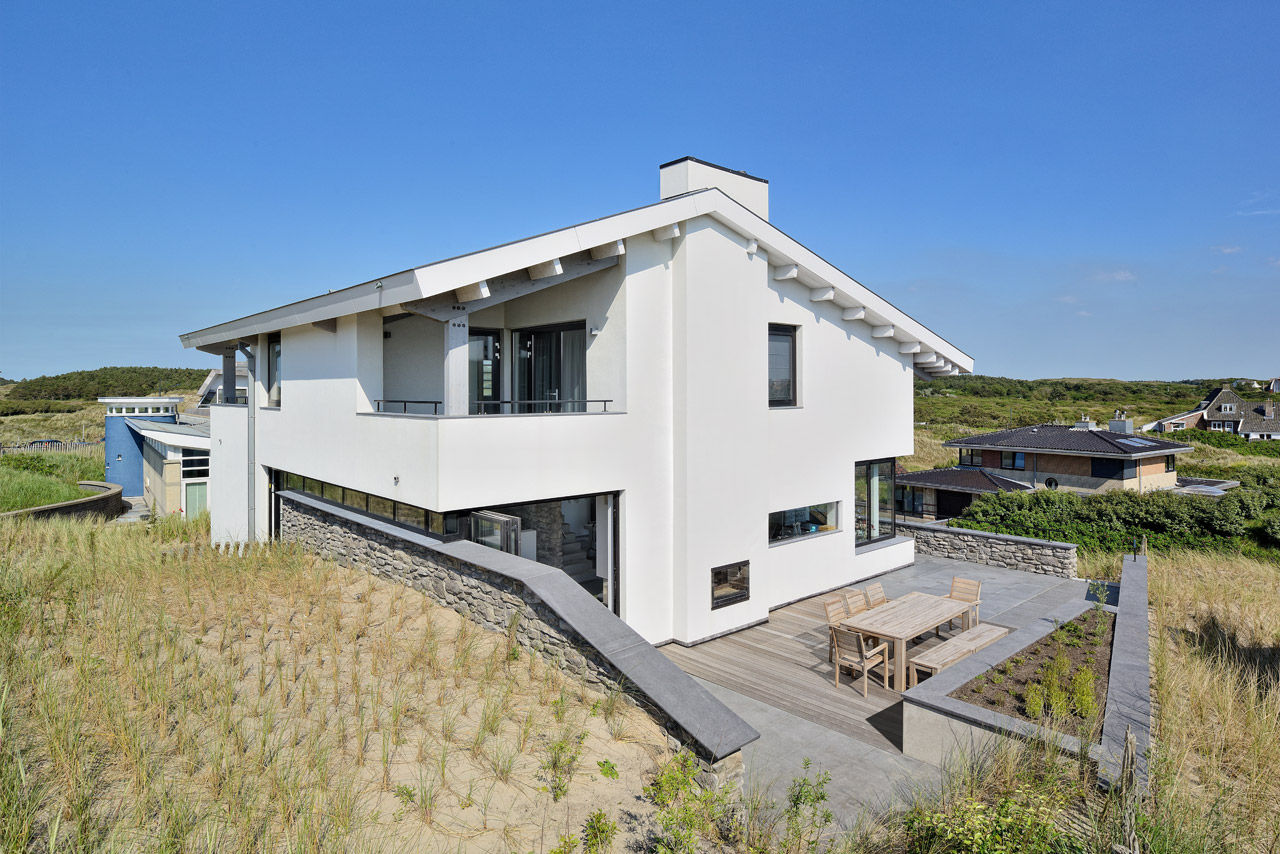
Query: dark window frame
{"type": "Point", "coordinates": [791, 333]}
{"type": "Point", "coordinates": [273, 370]}
{"type": "Point", "coordinates": [972, 453]}
{"type": "Point", "coordinates": [892, 525]}
{"type": "Point", "coordinates": [1170, 463]}
{"type": "Point", "coordinates": [740, 587]}
{"type": "Point", "coordinates": [782, 525]}
{"type": "Point", "coordinates": [1017, 460]}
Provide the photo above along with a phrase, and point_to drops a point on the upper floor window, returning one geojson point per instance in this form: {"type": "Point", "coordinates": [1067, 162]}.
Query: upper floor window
{"type": "Point", "coordinates": [1015, 460]}
{"type": "Point", "coordinates": [782, 365]}
{"type": "Point", "coordinates": [1228, 407]}
{"type": "Point", "coordinates": [273, 369]}
{"type": "Point", "coordinates": [970, 457]}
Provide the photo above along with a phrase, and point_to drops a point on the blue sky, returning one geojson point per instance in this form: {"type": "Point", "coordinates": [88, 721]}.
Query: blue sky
{"type": "Point", "coordinates": [1061, 189]}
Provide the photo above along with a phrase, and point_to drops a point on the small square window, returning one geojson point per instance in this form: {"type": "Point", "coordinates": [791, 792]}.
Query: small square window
{"type": "Point", "coordinates": [730, 584]}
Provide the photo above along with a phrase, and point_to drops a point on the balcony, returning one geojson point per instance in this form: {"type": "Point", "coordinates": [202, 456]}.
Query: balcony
{"type": "Point", "coordinates": [496, 407]}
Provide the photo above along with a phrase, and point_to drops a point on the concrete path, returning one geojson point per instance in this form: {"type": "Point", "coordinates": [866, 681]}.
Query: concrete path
{"type": "Point", "coordinates": [135, 510]}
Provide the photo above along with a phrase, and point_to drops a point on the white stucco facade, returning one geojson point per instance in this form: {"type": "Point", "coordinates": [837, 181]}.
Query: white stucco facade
{"type": "Point", "coordinates": [689, 446]}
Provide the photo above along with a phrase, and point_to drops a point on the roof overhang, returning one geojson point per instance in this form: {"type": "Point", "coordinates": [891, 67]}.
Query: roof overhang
{"type": "Point", "coordinates": [1163, 452]}
{"type": "Point", "coordinates": [466, 276]}
{"type": "Point", "coordinates": [174, 440]}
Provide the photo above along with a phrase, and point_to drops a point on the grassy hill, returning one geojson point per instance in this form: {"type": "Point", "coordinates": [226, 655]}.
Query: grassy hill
{"type": "Point", "coordinates": [103, 382]}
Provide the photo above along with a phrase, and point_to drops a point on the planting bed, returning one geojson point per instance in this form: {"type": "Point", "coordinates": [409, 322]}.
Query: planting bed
{"type": "Point", "coordinates": [1067, 669]}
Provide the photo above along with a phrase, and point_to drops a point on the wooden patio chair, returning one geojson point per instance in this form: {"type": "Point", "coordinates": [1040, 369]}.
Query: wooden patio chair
{"type": "Point", "coordinates": [966, 590]}
{"type": "Point", "coordinates": [856, 602]}
{"type": "Point", "coordinates": [875, 595]}
{"type": "Point", "coordinates": [853, 651]}
{"type": "Point", "coordinates": [837, 609]}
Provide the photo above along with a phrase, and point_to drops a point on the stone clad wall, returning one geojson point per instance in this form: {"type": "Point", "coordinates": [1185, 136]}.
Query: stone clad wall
{"type": "Point", "coordinates": [1029, 555]}
{"type": "Point", "coordinates": [495, 600]}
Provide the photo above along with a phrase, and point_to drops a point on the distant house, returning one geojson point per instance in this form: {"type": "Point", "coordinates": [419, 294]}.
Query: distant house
{"type": "Point", "coordinates": [1224, 411]}
{"type": "Point", "coordinates": [156, 454]}
{"type": "Point", "coordinates": [1274, 386]}
{"type": "Point", "coordinates": [940, 493]}
{"type": "Point", "coordinates": [1250, 384]}
{"type": "Point", "coordinates": [1080, 458]}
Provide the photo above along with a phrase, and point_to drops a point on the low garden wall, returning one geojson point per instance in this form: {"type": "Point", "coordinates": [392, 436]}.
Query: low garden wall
{"type": "Point", "coordinates": [935, 726]}
{"type": "Point", "coordinates": [1046, 557]}
{"type": "Point", "coordinates": [107, 502]}
{"type": "Point", "coordinates": [549, 613]}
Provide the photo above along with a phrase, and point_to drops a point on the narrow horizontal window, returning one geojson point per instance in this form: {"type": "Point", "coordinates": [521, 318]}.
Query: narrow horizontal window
{"type": "Point", "coordinates": [803, 521]}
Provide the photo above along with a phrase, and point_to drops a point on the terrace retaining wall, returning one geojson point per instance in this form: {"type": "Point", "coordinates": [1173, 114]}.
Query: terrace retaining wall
{"type": "Point", "coordinates": [549, 613]}
{"type": "Point", "coordinates": [1045, 557]}
{"type": "Point", "coordinates": [107, 502]}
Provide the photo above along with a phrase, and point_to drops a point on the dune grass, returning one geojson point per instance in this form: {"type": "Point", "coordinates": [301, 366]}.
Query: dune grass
{"type": "Point", "coordinates": [22, 489]}
{"type": "Point", "coordinates": [1217, 670]}
{"type": "Point", "coordinates": [159, 695]}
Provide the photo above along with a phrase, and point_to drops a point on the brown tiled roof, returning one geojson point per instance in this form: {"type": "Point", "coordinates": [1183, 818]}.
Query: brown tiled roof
{"type": "Point", "coordinates": [1061, 437]}
{"type": "Point", "coordinates": [961, 479]}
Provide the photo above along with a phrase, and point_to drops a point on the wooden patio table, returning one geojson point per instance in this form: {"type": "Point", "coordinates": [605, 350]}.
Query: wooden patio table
{"type": "Point", "coordinates": [903, 619]}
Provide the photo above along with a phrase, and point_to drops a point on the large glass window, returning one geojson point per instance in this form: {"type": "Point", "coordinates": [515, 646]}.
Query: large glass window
{"type": "Point", "coordinates": [909, 499]}
{"type": "Point", "coordinates": [1014, 460]}
{"type": "Point", "coordinates": [873, 501]}
{"type": "Point", "coordinates": [970, 457]}
{"type": "Point", "coordinates": [273, 369]}
{"type": "Point", "coordinates": [782, 365]}
{"type": "Point", "coordinates": [195, 463]}
{"type": "Point", "coordinates": [730, 584]}
{"type": "Point", "coordinates": [803, 521]}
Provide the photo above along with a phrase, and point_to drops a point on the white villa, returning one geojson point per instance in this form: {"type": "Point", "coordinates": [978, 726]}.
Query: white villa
{"type": "Point", "coordinates": [682, 407]}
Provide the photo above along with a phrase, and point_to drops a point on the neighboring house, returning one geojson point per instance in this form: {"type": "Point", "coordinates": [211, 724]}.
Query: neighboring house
{"type": "Point", "coordinates": [1249, 384]}
{"type": "Point", "coordinates": [1224, 411]}
{"type": "Point", "coordinates": [681, 406]}
{"type": "Point", "coordinates": [1274, 386]}
{"type": "Point", "coordinates": [154, 457]}
{"type": "Point", "coordinates": [942, 493]}
{"type": "Point", "coordinates": [1079, 458]}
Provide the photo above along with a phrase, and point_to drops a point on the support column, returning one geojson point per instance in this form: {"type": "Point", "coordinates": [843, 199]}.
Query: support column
{"type": "Point", "coordinates": [229, 376]}
{"type": "Point", "coordinates": [457, 332]}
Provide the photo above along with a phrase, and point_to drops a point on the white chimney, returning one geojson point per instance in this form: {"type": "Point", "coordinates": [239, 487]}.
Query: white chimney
{"type": "Point", "coordinates": [688, 174]}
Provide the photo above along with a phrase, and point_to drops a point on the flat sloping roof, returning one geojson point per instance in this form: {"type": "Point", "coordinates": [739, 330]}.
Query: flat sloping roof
{"type": "Point", "coordinates": [961, 479]}
{"type": "Point", "coordinates": [1071, 440]}
{"type": "Point", "coordinates": [182, 435]}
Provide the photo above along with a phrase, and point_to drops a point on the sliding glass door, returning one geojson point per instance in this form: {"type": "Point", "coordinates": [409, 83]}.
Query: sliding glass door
{"type": "Point", "coordinates": [551, 373]}
{"type": "Point", "coordinates": [484, 371]}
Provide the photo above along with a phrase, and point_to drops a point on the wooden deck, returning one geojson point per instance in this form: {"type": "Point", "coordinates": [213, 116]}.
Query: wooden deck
{"type": "Point", "coordinates": [784, 663]}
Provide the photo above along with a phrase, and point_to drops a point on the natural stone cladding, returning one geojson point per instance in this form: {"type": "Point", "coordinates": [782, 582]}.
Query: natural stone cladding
{"type": "Point", "coordinates": [1045, 557]}
{"type": "Point", "coordinates": [492, 599]}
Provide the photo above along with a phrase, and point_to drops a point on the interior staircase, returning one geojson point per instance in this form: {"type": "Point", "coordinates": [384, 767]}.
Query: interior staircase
{"type": "Point", "coordinates": [578, 556]}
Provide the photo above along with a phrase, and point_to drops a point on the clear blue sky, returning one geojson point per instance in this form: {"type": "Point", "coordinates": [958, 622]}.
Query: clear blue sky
{"type": "Point", "coordinates": [1061, 189]}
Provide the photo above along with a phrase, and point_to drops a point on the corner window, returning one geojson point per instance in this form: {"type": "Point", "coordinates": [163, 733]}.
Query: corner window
{"type": "Point", "coordinates": [803, 521]}
{"type": "Point", "coordinates": [970, 457]}
{"type": "Point", "coordinates": [273, 369]}
{"type": "Point", "coordinates": [873, 501]}
{"type": "Point", "coordinates": [730, 584]}
{"type": "Point", "coordinates": [1169, 463]}
{"type": "Point", "coordinates": [782, 365]}
{"type": "Point", "coordinates": [1014, 460]}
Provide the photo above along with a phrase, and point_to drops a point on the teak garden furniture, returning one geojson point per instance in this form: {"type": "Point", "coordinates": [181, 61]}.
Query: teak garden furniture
{"type": "Point", "coordinates": [853, 651]}
{"type": "Point", "coordinates": [903, 619]}
{"type": "Point", "coordinates": [959, 647]}
{"type": "Point", "coordinates": [837, 609]}
{"type": "Point", "coordinates": [875, 595]}
{"type": "Point", "coordinates": [966, 590]}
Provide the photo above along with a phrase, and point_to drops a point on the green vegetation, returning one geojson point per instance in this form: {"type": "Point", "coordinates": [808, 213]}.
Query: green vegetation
{"type": "Point", "coordinates": [33, 479]}
{"type": "Point", "coordinates": [105, 382]}
{"type": "Point", "coordinates": [1110, 521]}
{"type": "Point", "coordinates": [1229, 440]}
{"type": "Point", "coordinates": [27, 407]}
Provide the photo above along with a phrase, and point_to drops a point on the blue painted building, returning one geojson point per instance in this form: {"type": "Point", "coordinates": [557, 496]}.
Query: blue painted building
{"type": "Point", "coordinates": [123, 444]}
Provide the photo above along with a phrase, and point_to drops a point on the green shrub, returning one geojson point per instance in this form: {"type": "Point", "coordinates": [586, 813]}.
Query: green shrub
{"type": "Point", "coordinates": [1231, 442]}
{"type": "Point", "coordinates": [687, 813]}
{"type": "Point", "coordinates": [598, 833]}
{"type": "Point", "coordinates": [1082, 695]}
{"type": "Point", "coordinates": [1034, 700]}
{"type": "Point", "coordinates": [107, 382]}
{"type": "Point", "coordinates": [66, 467]}
{"type": "Point", "coordinates": [1271, 530]}
{"type": "Point", "coordinates": [29, 407]}
{"type": "Point", "coordinates": [1111, 521]}
{"type": "Point", "coordinates": [1022, 823]}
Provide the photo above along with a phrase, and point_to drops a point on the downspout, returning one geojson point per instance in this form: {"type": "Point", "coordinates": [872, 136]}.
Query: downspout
{"type": "Point", "coordinates": [251, 456]}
